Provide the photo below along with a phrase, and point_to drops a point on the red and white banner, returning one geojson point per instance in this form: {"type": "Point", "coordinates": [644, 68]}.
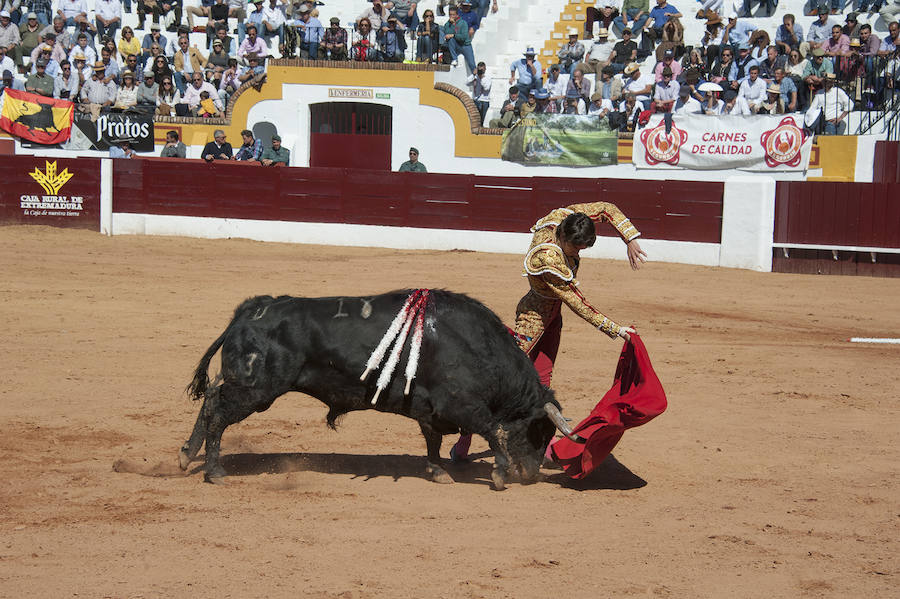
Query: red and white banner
{"type": "Point", "coordinates": [700, 142]}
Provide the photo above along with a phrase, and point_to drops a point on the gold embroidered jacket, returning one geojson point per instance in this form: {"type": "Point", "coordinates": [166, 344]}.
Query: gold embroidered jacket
{"type": "Point", "coordinates": [551, 274]}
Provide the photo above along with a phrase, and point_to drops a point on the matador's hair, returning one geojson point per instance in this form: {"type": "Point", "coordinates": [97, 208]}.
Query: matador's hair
{"type": "Point", "coordinates": [578, 229]}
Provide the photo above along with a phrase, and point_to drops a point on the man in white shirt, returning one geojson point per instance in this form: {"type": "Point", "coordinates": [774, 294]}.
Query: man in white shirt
{"type": "Point", "coordinates": [108, 16]}
{"type": "Point", "coordinates": [192, 93]}
{"type": "Point", "coordinates": [753, 89]}
{"type": "Point", "coordinates": [832, 105]}
{"type": "Point", "coordinates": [556, 85]}
{"type": "Point", "coordinates": [6, 63]}
{"type": "Point", "coordinates": [84, 49]}
{"type": "Point", "coordinates": [686, 103]}
{"type": "Point", "coordinates": [599, 54]}
{"type": "Point", "coordinates": [639, 85]}
{"type": "Point", "coordinates": [73, 11]}
{"type": "Point", "coordinates": [273, 20]}
{"type": "Point", "coordinates": [481, 89]}
{"type": "Point", "coordinates": [735, 105]}
{"type": "Point", "coordinates": [599, 105]}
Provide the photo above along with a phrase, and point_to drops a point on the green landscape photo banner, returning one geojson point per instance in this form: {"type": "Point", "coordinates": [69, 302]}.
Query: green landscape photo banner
{"type": "Point", "coordinates": [561, 139]}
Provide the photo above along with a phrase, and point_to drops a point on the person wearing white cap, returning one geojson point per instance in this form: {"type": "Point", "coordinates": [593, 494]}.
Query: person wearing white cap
{"type": "Point", "coordinates": [526, 72]}
{"type": "Point", "coordinates": [571, 53]}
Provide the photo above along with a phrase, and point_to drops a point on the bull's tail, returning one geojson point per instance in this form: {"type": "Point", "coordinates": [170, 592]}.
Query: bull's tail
{"type": "Point", "coordinates": [197, 387]}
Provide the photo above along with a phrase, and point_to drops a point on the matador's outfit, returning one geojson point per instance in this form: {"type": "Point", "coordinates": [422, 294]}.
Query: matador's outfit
{"type": "Point", "coordinates": [551, 275]}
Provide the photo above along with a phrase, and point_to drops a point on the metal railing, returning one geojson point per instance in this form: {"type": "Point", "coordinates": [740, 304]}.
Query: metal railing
{"type": "Point", "coordinates": [363, 44]}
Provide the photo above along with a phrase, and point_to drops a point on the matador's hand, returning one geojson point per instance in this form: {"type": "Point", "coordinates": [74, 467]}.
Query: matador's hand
{"type": "Point", "coordinates": [636, 256]}
{"type": "Point", "coordinates": [624, 333]}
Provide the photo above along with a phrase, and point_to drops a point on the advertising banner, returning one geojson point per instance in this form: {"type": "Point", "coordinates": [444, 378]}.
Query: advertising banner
{"type": "Point", "coordinates": [561, 139]}
{"type": "Point", "coordinates": [700, 142]}
{"type": "Point", "coordinates": [35, 118]}
{"type": "Point", "coordinates": [110, 128]}
{"type": "Point", "coordinates": [61, 192]}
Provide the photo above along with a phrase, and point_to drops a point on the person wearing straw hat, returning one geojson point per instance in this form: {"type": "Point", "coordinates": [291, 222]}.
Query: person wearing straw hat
{"type": "Point", "coordinates": [526, 72]}
{"type": "Point", "coordinates": [96, 93]}
{"type": "Point", "coordinates": [829, 108]}
{"type": "Point", "coordinates": [571, 53]}
{"type": "Point", "coordinates": [121, 148]}
{"type": "Point", "coordinates": [772, 104]}
{"type": "Point", "coordinates": [600, 54]}
{"type": "Point", "coordinates": [639, 84]}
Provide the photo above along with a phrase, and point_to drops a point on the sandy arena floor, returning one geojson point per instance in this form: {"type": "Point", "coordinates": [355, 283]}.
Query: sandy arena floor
{"type": "Point", "coordinates": [774, 472]}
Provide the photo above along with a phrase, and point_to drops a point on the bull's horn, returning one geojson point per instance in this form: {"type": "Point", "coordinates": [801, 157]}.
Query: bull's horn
{"type": "Point", "coordinates": [560, 422]}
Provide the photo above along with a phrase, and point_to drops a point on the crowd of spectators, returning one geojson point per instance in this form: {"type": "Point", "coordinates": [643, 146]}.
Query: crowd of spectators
{"type": "Point", "coordinates": [735, 68]}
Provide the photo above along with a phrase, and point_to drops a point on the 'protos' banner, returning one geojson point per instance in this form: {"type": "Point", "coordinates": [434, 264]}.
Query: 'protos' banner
{"type": "Point", "coordinates": [701, 142]}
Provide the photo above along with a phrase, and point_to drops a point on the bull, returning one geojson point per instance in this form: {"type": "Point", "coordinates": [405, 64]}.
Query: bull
{"type": "Point", "coordinates": [42, 119]}
{"type": "Point", "coordinates": [472, 378]}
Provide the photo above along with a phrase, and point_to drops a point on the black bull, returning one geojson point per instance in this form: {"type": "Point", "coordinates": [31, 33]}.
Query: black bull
{"type": "Point", "coordinates": [472, 376]}
{"type": "Point", "coordinates": [43, 119]}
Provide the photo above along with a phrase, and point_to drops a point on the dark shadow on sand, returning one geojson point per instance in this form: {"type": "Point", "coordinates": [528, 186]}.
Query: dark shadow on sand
{"type": "Point", "coordinates": [611, 474]}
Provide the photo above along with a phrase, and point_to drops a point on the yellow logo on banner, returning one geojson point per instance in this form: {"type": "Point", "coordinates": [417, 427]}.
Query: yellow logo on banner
{"type": "Point", "coordinates": [50, 180]}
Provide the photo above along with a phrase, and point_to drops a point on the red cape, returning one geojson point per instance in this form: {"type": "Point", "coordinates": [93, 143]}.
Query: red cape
{"type": "Point", "coordinates": [635, 398]}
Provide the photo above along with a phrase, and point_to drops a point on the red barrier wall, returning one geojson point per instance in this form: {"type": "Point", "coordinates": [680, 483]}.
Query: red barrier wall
{"type": "Point", "coordinates": [886, 168]}
{"type": "Point", "coordinates": [671, 210]}
{"type": "Point", "coordinates": [68, 201]}
{"type": "Point", "coordinates": [844, 214]}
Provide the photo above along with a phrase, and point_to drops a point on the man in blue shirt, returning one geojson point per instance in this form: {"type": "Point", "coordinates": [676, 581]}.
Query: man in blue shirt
{"type": "Point", "coordinates": [789, 35]}
{"type": "Point", "coordinates": [469, 16]}
{"type": "Point", "coordinates": [526, 73]}
{"type": "Point", "coordinates": [660, 14]}
{"type": "Point", "coordinates": [738, 32]}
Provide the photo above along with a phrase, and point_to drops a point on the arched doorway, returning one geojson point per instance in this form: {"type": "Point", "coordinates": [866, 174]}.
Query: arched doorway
{"type": "Point", "coordinates": [350, 135]}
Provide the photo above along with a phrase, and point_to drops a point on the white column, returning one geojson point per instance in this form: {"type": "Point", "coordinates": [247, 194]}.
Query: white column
{"type": "Point", "coordinates": [106, 195]}
{"type": "Point", "coordinates": [748, 223]}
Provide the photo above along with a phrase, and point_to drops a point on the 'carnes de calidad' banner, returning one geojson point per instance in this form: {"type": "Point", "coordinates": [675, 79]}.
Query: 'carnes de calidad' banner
{"type": "Point", "coordinates": [700, 142]}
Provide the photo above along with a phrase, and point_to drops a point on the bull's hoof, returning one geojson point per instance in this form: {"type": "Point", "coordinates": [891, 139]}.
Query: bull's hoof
{"type": "Point", "coordinates": [215, 475]}
{"type": "Point", "coordinates": [499, 479]}
{"type": "Point", "coordinates": [184, 460]}
{"type": "Point", "coordinates": [438, 474]}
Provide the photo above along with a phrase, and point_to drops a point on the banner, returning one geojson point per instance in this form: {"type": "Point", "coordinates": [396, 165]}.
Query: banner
{"type": "Point", "coordinates": [561, 139]}
{"type": "Point", "coordinates": [110, 128]}
{"type": "Point", "coordinates": [700, 142]}
{"type": "Point", "coordinates": [35, 118]}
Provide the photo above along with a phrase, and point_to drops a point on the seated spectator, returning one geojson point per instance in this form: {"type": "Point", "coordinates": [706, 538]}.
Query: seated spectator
{"type": "Point", "coordinates": [581, 86]}
{"type": "Point", "coordinates": [672, 38]}
{"type": "Point", "coordinates": [480, 83]}
{"type": "Point", "coordinates": [218, 19]}
{"type": "Point", "coordinates": [218, 59]}
{"type": "Point", "coordinates": [363, 48]}
{"type": "Point", "coordinates": [252, 43]}
{"type": "Point", "coordinates": [816, 69]}
{"type": "Point", "coordinates": [66, 83]}
{"type": "Point", "coordinates": [789, 35]}
{"type": "Point", "coordinates": [599, 56]}
{"type": "Point", "coordinates": [686, 103]}
{"type": "Point", "coordinates": [738, 32]}
{"type": "Point", "coordinates": [609, 86]}
{"type": "Point", "coordinates": [510, 111]}
{"type": "Point", "coordinates": [456, 36]}
{"type": "Point", "coordinates": [254, 73]}
{"type": "Point", "coordinates": [544, 104]}
{"type": "Point", "coordinates": [713, 103]}
{"type": "Point", "coordinates": [170, 10]}
{"type": "Point", "coordinates": [628, 113]}
{"type": "Point", "coordinates": [376, 15]}
{"type": "Point", "coordinates": [693, 60]}
{"type": "Point", "coordinates": [530, 104]}
{"type": "Point", "coordinates": [734, 104]}
{"type": "Point", "coordinates": [851, 26]}
{"type": "Point", "coordinates": [217, 149]}
{"type": "Point", "coordinates": [606, 13]}
{"type": "Point", "coordinates": [665, 92]}
{"type": "Point", "coordinates": [633, 16]}
{"type": "Point", "coordinates": [772, 103]}
{"type": "Point", "coordinates": [40, 82]}
{"type": "Point", "coordinates": [769, 4]}
{"type": "Point", "coordinates": [526, 72]}
{"type": "Point", "coordinates": [255, 18]}
{"type": "Point", "coordinates": [668, 62]}
{"type": "Point", "coordinates": [574, 103]}
{"type": "Point", "coordinates": [713, 40]}
{"type": "Point", "coordinates": [131, 64]}
{"type": "Point", "coordinates": [22, 40]}
{"type": "Point", "coordinates": [638, 84]}
{"type": "Point", "coordinates": [154, 37]}
{"type": "Point", "coordinates": [192, 96]}
{"type": "Point", "coordinates": [392, 42]}
{"type": "Point", "coordinates": [816, 6]}
{"type": "Point", "coordinates": [199, 11]}
{"type": "Point", "coordinates": [9, 82]}
{"type": "Point", "coordinates": [405, 11]}
{"type": "Point", "coordinates": [273, 20]}
{"type": "Point", "coordinates": [188, 60]}
{"type": "Point", "coordinates": [788, 90]}
{"type": "Point", "coordinates": [107, 17]}
{"type": "Point", "coordinates": [741, 67]}
{"type": "Point", "coordinates": [759, 45]}
{"type": "Point", "coordinates": [44, 54]}
{"type": "Point", "coordinates": [693, 79]}
{"type": "Point", "coordinates": [428, 38]}
{"type": "Point", "coordinates": [556, 86]}
{"type": "Point", "coordinates": [819, 30]}
{"type": "Point", "coordinates": [169, 97]}
{"type": "Point", "coordinates": [837, 45]}
{"type": "Point", "coordinates": [623, 52]}
{"type": "Point", "coordinates": [773, 61]}
{"type": "Point", "coordinates": [161, 68]}
{"type": "Point", "coordinates": [121, 148]}
{"type": "Point", "coordinates": [470, 17]}
{"type": "Point", "coordinates": [73, 12]}
{"type": "Point", "coordinates": [720, 71]}
{"type": "Point", "coordinates": [829, 108]}
{"type": "Point", "coordinates": [229, 45]}
{"type": "Point", "coordinates": [82, 69]}
{"type": "Point", "coordinates": [110, 65]}
{"type": "Point", "coordinates": [753, 89]}
{"type": "Point", "coordinates": [174, 147]}
{"type": "Point", "coordinates": [126, 95]}
{"type": "Point", "coordinates": [230, 81]}
{"type": "Point", "coordinates": [128, 44]}
{"type": "Point", "coordinates": [334, 41]}
{"type": "Point", "coordinates": [599, 106]}
{"type": "Point", "coordinates": [276, 155]}
{"type": "Point", "coordinates": [147, 94]}
{"type": "Point", "coordinates": [570, 54]}
{"type": "Point", "coordinates": [660, 14]}
{"type": "Point", "coordinates": [891, 40]}
{"type": "Point", "coordinates": [98, 92]}
{"type": "Point", "coordinates": [869, 44]}
{"type": "Point", "coordinates": [251, 149]}
{"type": "Point", "coordinates": [60, 52]}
